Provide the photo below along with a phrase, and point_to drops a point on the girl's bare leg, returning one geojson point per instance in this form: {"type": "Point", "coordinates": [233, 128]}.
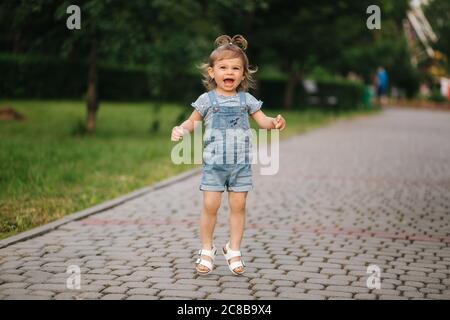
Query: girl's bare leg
{"type": "Point", "coordinates": [237, 202]}
{"type": "Point", "coordinates": [211, 204]}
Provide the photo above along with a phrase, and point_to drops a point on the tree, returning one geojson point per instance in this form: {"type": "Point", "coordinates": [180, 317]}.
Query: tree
{"type": "Point", "coordinates": [108, 30]}
{"type": "Point", "coordinates": [297, 35]}
{"type": "Point", "coordinates": [385, 47]}
{"type": "Point", "coordinates": [438, 14]}
{"type": "Point", "coordinates": [163, 36]}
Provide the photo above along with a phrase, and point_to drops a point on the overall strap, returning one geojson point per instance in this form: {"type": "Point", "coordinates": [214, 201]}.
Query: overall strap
{"type": "Point", "coordinates": [213, 98]}
{"type": "Point", "coordinates": [242, 101]}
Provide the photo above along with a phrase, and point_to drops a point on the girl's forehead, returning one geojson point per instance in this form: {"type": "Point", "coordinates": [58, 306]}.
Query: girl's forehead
{"type": "Point", "coordinates": [232, 61]}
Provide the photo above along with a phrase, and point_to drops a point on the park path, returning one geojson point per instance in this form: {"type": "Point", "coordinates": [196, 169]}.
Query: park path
{"type": "Point", "coordinates": [369, 191]}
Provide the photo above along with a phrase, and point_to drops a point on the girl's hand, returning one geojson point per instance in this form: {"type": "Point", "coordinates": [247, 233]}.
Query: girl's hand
{"type": "Point", "coordinates": [177, 133]}
{"type": "Point", "coordinates": [279, 122]}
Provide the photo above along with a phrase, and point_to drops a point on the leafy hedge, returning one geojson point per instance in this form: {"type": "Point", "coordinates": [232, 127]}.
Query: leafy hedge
{"type": "Point", "coordinates": [330, 94]}
{"type": "Point", "coordinates": [36, 77]}
{"type": "Point", "coordinates": [27, 77]}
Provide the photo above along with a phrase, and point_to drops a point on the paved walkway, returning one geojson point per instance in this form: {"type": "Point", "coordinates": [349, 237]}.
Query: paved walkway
{"type": "Point", "coordinates": [372, 191]}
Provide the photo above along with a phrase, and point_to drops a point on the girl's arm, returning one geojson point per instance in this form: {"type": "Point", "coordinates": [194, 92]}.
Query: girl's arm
{"type": "Point", "coordinates": [187, 126]}
{"type": "Point", "coordinates": [266, 122]}
{"type": "Point", "coordinates": [193, 119]}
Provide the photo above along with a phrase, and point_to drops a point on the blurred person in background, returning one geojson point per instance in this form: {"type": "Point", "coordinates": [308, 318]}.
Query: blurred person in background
{"type": "Point", "coordinates": [382, 82]}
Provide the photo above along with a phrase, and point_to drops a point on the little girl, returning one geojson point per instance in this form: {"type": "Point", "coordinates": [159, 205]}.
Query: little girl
{"type": "Point", "coordinates": [225, 109]}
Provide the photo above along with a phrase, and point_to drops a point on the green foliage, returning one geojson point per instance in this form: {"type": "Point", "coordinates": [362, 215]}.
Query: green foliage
{"type": "Point", "coordinates": [61, 79]}
{"type": "Point", "coordinates": [438, 14]}
{"type": "Point", "coordinates": [58, 78]}
{"type": "Point", "coordinates": [332, 94]}
{"type": "Point", "coordinates": [158, 43]}
{"type": "Point", "coordinates": [436, 96]}
{"type": "Point", "coordinates": [390, 53]}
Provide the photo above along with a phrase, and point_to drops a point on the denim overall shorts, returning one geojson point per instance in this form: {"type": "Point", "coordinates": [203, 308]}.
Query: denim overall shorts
{"type": "Point", "coordinates": [227, 148]}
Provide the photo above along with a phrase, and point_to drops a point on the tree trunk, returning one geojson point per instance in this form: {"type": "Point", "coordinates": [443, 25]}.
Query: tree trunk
{"type": "Point", "coordinates": [294, 78]}
{"type": "Point", "coordinates": [92, 101]}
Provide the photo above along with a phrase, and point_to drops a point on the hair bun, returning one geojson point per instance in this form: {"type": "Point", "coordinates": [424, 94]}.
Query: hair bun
{"type": "Point", "coordinates": [237, 40]}
{"type": "Point", "coordinates": [222, 40]}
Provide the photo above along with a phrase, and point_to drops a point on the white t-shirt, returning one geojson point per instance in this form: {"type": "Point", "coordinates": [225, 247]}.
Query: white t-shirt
{"type": "Point", "coordinates": [203, 104]}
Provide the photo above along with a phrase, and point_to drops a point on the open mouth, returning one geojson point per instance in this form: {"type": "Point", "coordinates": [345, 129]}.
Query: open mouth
{"type": "Point", "coordinates": [228, 81]}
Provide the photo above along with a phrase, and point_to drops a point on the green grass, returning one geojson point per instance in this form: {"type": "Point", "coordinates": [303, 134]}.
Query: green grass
{"type": "Point", "coordinates": [49, 169]}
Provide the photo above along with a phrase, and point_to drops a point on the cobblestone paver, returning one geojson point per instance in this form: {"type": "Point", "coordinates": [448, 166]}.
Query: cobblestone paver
{"type": "Point", "coordinates": [371, 191]}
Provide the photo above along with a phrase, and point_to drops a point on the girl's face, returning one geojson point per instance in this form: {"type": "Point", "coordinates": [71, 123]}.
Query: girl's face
{"type": "Point", "coordinates": [228, 74]}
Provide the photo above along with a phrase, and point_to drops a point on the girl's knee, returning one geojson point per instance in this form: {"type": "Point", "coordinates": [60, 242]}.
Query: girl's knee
{"type": "Point", "coordinates": [237, 207]}
{"type": "Point", "coordinates": [237, 201]}
{"type": "Point", "coordinates": [211, 206]}
{"type": "Point", "coordinates": [211, 201]}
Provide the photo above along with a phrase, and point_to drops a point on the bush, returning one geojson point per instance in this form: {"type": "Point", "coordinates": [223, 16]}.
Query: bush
{"type": "Point", "coordinates": [436, 96]}
{"type": "Point", "coordinates": [332, 94]}
{"type": "Point", "coordinates": [30, 77]}
{"type": "Point", "coordinates": [36, 77]}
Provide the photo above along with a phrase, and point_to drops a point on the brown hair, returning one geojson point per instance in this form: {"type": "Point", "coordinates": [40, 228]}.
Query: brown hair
{"type": "Point", "coordinates": [229, 48]}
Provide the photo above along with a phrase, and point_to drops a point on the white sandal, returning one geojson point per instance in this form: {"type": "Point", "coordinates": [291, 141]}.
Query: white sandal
{"type": "Point", "coordinates": [206, 263]}
{"type": "Point", "coordinates": [230, 254]}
